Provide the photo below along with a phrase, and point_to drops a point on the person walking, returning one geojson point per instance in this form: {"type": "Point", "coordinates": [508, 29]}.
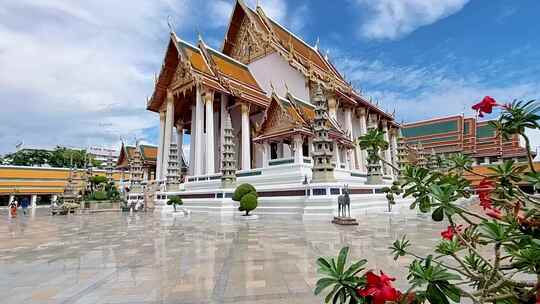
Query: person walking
{"type": "Point", "coordinates": [24, 204]}
{"type": "Point", "coordinates": [13, 208]}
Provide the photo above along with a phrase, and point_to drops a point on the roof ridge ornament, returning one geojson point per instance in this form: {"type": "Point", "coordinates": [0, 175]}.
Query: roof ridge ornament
{"type": "Point", "coordinates": [170, 23]}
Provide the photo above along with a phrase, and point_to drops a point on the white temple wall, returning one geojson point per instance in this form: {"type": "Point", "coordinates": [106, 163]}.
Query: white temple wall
{"type": "Point", "coordinates": [287, 151]}
{"type": "Point", "coordinates": [341, 116]}
{"type": "Point", "coordinates": [274, 69]}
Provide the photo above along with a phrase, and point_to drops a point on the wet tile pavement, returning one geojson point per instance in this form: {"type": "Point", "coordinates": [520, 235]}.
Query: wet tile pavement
{"type": "Point", "coordinates": [154, 258]}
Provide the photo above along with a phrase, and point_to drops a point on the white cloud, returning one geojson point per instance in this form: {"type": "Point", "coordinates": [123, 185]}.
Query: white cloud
{"type": "Point", "coordinates": [78, 73]}
{"type": "Point", "coordinates": [417, 93]}
{"type": "Point", "coordinates": [392, 19]}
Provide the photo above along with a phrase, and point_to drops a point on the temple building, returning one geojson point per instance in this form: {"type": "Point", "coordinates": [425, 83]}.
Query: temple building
{"type": "Point", "coordinates": [291, 113]}
{"type": "Point", "coordinates": [126, 159]}
{"type": "Point", "coordinates": [459, 134]}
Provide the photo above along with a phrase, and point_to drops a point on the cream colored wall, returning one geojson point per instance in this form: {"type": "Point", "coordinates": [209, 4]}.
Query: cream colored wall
{"type": "Point", "coordinates": [273, 68]}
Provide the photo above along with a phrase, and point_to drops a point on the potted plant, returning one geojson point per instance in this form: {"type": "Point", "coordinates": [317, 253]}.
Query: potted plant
{"type": "Point", "coordinates": [246, 194]}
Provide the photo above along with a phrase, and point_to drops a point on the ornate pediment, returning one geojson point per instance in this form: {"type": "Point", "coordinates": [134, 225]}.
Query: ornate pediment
{"type": "Point", "coordinates": [249, 43]}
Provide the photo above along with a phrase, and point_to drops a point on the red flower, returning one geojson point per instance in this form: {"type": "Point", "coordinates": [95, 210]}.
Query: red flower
{"type": "Point", "coordinates": [485, 106]}
{"type": "Point", "coordinates": [484, 191]}
{"type": "Point", "coordinates": [379, 288]}
{"type": "Point", "coordinates": [449, 233]}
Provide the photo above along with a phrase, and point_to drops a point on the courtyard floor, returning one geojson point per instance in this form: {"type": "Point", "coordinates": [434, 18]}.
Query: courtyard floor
{"type": "Point", "coordinates": [154, 258]}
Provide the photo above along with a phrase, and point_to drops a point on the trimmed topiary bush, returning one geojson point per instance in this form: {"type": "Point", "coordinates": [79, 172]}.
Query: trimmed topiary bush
{"type": "Point", "coordinates": [100, 195]}
{"type": "Point", "coordinates": [174, 201]}
{"type": "Point", "coordinates": [242, 190]}
{"type": "Point", "coordinates": [246, 194]}
{"type": "Point", "coordinates": [248, 202]}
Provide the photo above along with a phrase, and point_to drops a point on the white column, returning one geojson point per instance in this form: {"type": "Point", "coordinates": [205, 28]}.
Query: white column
{"type": "Point", "coordinates": [11, 198]}
{"type": "Point", "coordinates": [33, 201]}
{"type": "Point", "coordinates": [336, 156]}
{"type": "Point", "coordinates": [393, 146]}
{"type": "Point", "coordinates": [332, 106]}
{"type": "Point", "coordinates": [298, 149]}
{"type": "Point", "coordinates": [180, 141]}
{"type": "Point", "coordinates": [348, 128]}
{"type": "Point", "coordinates": [192, 139]}
{"type": "Point", "coordinates": [246, 153]}
{"type": "Point", "coordinates": [198, 133]}
{"type": "Point", "coordinates": [363, 130]}
{"type": "Point", "coordinates": [266, 154]}
{"type": "Point", "coordinates": [209, 106]}
{"type": "Point", "coordinates": [159, 161]}
{"type": "Point", "coordinates": [387, 156]}
{"type": "Point", "coordinates": [169, 117]}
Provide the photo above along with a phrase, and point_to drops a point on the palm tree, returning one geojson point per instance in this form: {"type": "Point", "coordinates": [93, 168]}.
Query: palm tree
{"type": "Point", "coordinates": [517, 117]}
{"type": "Point", "coordinates": [373, 142]}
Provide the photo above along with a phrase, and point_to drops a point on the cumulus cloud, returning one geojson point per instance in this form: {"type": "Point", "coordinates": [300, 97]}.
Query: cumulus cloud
{"type": "Point", "coordinates": [392, 19]}
{"type": "Point", "coordinates": [423, 92]}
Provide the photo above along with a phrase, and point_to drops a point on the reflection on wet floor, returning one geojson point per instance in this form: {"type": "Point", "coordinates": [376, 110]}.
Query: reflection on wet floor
{"type": "Point", "coordinates": [204, 258]}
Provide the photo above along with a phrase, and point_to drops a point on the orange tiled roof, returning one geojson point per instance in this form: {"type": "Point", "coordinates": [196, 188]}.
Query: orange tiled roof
{"type": "Point", "coordinates": [195, 57]}
{"type": "Point", "coordinates": [233, 68]}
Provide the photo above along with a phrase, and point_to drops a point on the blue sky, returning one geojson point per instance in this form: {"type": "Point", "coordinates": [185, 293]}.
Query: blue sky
{"type": "Point", "coordinates": [78, 73]}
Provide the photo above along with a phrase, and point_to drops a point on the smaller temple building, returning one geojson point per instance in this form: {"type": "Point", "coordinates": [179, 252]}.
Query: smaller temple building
{"type": "Point", "coordinates": [126, 160]}
{"type": "Point", "coordinates": [467, 135]}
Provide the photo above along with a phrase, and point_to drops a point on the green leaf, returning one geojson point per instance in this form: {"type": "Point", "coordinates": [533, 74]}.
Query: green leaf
{"type": "Point", "coordinates": [323, 284]}
{"type": "Point", "coordinates": [329, 296]}
{"type": "Point", "coordinates": [342, 258]}
{"type": "Point", "coordinates": [438, 214]}
{"type": "Point", "coordinates": [354, 269]}
{"type": "Point", "coordinates": [451, 291]}
{"type": "Point", "coordinates": [435, 295]}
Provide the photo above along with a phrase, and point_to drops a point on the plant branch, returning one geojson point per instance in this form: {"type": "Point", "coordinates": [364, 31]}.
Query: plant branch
{"type": "Point", "coordinates": [529, 155]}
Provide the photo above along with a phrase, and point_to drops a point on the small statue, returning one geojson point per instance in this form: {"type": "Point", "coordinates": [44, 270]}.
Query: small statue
{"type": "Point", "coordinates": [344, 203]}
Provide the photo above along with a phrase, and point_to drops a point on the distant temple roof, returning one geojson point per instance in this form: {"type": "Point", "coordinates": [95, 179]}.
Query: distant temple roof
{"type": "Point", "coordinates": [148, 153]}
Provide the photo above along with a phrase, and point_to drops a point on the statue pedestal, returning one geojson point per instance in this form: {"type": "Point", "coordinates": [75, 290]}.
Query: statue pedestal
{"type": "Point", "coordinates": [346, 221]}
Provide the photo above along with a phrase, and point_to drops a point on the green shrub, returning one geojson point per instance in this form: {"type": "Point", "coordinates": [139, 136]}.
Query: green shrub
{"type": "Point", "coordinates": [242, 190]}
{"type": "Point", "coordinates": [174, 201]}
{"type": "Point", "coordinates": [248, 202]}
{"type": "Point", "coordinates": [100, 195]}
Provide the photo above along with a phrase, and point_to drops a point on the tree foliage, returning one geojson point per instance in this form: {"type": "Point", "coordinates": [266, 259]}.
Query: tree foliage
{"type": "Point", "coordinates": [246, 194]}
{"type": "Point", "coordinates": [60, 157]}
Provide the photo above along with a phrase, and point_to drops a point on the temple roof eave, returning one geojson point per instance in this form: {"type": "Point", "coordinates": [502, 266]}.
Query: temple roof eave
{"type": "Point", "coordinates": [282, 134]}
